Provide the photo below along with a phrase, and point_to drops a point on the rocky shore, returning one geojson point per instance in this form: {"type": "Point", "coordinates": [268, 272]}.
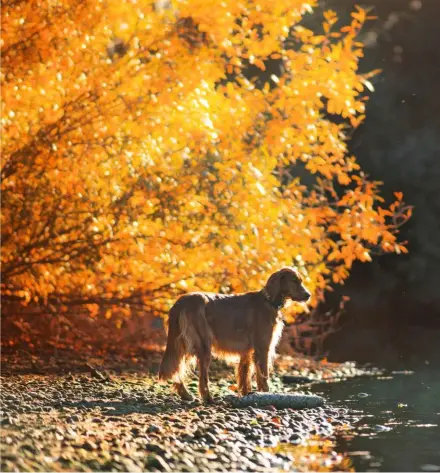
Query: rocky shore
{"type": "Point", "coordinates": [106, 421]}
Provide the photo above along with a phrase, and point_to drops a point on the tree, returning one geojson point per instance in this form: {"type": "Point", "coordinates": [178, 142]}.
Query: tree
{"type": "Point", "coordinates": [140, 162]}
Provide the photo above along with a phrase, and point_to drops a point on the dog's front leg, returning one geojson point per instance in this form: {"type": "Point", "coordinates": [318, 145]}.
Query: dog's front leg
{"type": "Point", "coordinates": [244, 374]}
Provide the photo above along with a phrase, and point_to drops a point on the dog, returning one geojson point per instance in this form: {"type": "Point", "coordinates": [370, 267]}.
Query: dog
{"type": "Point", "coordinates": [248, 325]}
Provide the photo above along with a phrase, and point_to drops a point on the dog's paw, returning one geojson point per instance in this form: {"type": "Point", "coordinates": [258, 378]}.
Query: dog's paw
{"type": "Point", "coordinates": [187, 397]}
{"type": "Point", "coordinates": [208, 400]}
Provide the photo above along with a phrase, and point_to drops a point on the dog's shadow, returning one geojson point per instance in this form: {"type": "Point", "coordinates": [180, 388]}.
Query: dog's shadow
{"type": "Point", "coordinates": [121, 407]}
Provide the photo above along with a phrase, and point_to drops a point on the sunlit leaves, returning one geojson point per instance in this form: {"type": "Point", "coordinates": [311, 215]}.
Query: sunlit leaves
{"type": "Point", "coordinates": [140, 161]}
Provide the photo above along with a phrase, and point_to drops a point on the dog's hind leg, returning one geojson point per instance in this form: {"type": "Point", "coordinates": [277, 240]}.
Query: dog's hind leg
{"type": "Point", "coordinates": [188, 339]}
{"type": "Point", "coordinates": [179, 384]}
{"type": "Point", "coordinates": [182, 391]}
{"type": "Point", "coordinates": [204, 359]}
{"type": "Point", "coordinates": [203, 349]}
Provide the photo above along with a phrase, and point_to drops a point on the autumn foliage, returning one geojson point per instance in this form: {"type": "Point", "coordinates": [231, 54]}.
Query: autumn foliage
{"type": "Point", "coordinates": [142, 159]}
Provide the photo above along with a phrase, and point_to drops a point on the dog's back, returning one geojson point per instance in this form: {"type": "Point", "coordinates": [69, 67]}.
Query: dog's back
{"type": "Point", "coordinates": [231, 319]}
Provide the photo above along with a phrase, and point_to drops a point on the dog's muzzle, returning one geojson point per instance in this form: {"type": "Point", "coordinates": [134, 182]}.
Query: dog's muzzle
{"type": "Point", "coordinates": [305, 296]}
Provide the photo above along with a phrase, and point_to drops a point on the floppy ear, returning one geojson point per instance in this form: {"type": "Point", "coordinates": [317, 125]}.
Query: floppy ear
{"type": "Point", "coordinates": [273, 285]}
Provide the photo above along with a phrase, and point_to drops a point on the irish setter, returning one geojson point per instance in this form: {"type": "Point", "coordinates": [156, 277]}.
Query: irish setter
{"type": "Point", "coordinates": [248, 325]}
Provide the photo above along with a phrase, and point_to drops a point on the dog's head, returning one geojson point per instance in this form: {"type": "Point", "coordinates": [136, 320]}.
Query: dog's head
{"type": "Point", "coordinates": [287, 283]}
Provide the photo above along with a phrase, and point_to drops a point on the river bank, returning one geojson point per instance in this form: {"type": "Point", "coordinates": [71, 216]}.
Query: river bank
{"type": "Point", "coordinates": [99, 419]}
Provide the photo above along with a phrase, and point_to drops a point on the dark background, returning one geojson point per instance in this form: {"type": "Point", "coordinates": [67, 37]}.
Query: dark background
{"type": "Point", "coordinates": [394, 313]}
{"type": "Point", "coordinates": [393, 317]}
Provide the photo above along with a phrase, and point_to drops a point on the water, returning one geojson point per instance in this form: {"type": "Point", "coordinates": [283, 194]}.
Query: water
{"type": "Point", "coordinates": [399, 428]}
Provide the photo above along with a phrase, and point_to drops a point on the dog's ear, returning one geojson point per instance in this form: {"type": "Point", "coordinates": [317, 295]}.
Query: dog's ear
{"type": "Point", "coordinates": [273, 285]}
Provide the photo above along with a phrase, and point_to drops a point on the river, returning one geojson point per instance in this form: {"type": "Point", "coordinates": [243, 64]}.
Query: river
{"type": "Point", "coordinates": [400, 417]}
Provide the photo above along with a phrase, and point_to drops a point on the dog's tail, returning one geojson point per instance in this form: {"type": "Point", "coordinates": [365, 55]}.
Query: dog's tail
{"type": "Point", "coordinates": [178, 348]}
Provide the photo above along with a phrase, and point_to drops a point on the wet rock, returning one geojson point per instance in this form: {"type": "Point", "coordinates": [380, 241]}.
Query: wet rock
{"type": "Point", "coordinates": [289, 379]}
{"type": "Point", "coordinates": [430, 467]}
{"type": "Point", "coordinates": [382, 428]}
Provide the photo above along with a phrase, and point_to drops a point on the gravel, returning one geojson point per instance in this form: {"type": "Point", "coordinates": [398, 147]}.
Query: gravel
{"type": "Point", "coordinates": [130, 422]}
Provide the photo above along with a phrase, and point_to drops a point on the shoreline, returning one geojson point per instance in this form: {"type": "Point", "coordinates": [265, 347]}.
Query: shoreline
{"type": "Point", "coordinates": [104, 420]}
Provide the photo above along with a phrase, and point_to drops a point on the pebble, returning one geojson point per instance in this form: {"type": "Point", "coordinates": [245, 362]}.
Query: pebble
{"type": "Point", "coordinates": [430, 467]}
{"type": "Point", "coordinates": [153, 447]}
{"type": "Point", "coordinates": [156, 461]}
{"type": "Point", "coordinates": [295, 438]}
{"type": "Point", "coordinates": [153, 428]}
{"type": "Point", "coordinates": [210, 438]}
{"type": "Point", "coordinates": [382, 428]}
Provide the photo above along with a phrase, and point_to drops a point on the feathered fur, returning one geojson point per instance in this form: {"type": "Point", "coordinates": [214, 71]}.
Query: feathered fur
{"type": "Point", "coordinates": [245, 325]}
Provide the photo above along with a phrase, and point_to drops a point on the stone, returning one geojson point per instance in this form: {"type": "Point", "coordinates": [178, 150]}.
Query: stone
{"type": "Point", "coordinates": [280, 401]}
{"type": "Point", "coordinates": [156, 461]}
{"type": "Point", "coordinates": [289, 379]}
